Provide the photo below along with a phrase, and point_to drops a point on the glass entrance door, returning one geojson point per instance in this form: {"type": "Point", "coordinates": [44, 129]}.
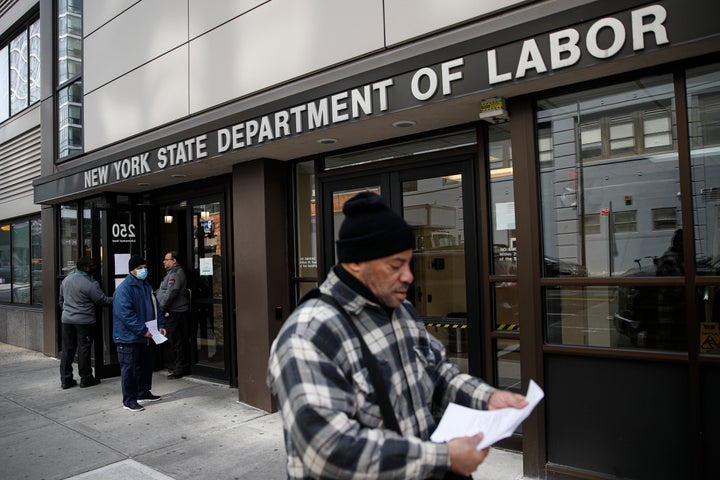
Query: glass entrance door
{"type": "Point", "coordinates": [194, 228]}
{"type": "Point", "coordinates": [434, 202]}
{"type": "Point", "coordinates": [207, 287]}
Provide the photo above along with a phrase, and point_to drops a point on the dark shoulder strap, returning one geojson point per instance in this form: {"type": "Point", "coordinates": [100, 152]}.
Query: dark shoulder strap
{"type": "Point", "coordinates": [376, 376]}
{"type": "Point", "coordinates": [314, 293]}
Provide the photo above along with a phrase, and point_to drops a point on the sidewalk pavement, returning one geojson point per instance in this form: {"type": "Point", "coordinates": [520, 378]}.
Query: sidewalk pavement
{"type": "Point", "coordinates": [197, 430]}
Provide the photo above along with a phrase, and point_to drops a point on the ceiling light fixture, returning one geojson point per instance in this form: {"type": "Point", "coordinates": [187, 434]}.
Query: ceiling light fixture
{"type": "Point", "coordinates": [404, 124]}
{"type": "Point", "coordinates": [327, 141]}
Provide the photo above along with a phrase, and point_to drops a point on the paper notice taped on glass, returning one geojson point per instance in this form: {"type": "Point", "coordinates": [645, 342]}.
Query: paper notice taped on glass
{"type": "Point", "coordinates": [459, 421]}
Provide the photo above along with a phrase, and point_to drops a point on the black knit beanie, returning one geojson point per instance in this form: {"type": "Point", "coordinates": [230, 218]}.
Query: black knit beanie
{"type": "Point", "coordinates": [372, 230]}
{"type": "Point", "coordinates": [135, 261]}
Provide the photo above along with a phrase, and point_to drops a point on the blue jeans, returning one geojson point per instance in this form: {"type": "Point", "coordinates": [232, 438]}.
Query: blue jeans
{"type": "Point", "coordinates": [136, 368]}
{"type": "Point", "coordinates": [76, 338]}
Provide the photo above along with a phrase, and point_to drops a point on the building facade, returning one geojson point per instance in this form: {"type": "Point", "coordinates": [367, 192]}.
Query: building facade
{"type": "Point", "coordinates": [560, 161]}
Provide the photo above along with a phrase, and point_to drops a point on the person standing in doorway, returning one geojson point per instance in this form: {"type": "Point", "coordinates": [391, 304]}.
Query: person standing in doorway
{"type": "Point", "coordinates": [79, 294]}
{"type": "Point", "coordinates": [174, 300]}
{"type": "Point", "coordinates": [134, 304]}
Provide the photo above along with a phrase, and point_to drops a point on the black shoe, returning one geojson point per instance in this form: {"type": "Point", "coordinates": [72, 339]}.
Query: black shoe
{"type": "Point", "coordinates": [174, 376]}
{"type": "Point", "coordinates": [70, 384]}
{"type": "Point", "coordinates": [134, 407]}
{"type": "Point", "coordinates": [149, 398]}
{"type": "Point", "coordinates": [90, 383]}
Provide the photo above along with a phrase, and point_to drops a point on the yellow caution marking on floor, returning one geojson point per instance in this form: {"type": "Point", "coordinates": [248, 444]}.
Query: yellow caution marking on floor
{"type": "Point", "coordinates": [508, 326]}
{"type": "Point", "coordinates": [445, 325]}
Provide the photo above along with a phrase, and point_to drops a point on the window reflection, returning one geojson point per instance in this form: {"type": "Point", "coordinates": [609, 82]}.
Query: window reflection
{"type": "Point", "coordinates": [502, 197]}
{"type": "Point", "coordinates": [305, 228]}
{"type": "Point", "coordinates": [703, 99]}
{"type": "Point", "coordinates": [507, 353]}
{"type": "Point", "coordinates": [505, 304]}
{"type": "Point", "coordinates": [608, 158]}
{"type": "Point", "coordinates": [633, 316]}
{"type": "Point", "coordinates": [20, 241]}
{"type": "Point", "coordinates": [703, 86]}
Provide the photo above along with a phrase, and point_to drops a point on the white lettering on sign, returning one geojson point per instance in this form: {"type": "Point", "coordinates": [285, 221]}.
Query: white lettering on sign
{"type": "Point", "coordinates": [600, 39]}
{"type": "Point", "coordinates": [563, 48]}
{"type": "Point", "coordinates": [97, 176]}
{"type": "Point", "coordinates": [530, 59]}
{"type": "Point", "coordinates": [655, 26]}
{"type": "Point", "coordinates": [337, 108]}
{"type": "Point", "coordinates": [131, 167]}
{"type": "Point", "coordinates": [429, 76]}
{"type": "Point", "coordinates": [566, 47]}
{"type": "Point", "coordinates": [123, 233]}
{"type": "Point", "coordinates": [182, 152]}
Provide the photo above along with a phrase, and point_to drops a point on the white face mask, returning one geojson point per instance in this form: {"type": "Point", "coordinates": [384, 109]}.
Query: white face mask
{"type": "Point", "coordinates": [141, 273]}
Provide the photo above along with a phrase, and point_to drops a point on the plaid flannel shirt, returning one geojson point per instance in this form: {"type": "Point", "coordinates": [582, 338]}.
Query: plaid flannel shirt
{"type": "Point", "coordinates": [332, 421]}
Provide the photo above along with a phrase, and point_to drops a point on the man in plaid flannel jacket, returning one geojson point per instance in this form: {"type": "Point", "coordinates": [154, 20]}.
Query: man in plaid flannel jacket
{"type": "Point", "coordinates": [333, 425]}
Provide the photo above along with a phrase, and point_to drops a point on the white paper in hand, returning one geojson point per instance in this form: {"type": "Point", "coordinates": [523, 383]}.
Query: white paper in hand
{"type": "Point", "coordinates": [459, 421]}
{"type": "Point", "coordinates": [157, 337]}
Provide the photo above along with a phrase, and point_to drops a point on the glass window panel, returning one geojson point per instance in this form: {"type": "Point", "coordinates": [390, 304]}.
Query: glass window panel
{"type": "Point", "coordinates": [707, 129]}
{"type": "Point", "coordinates": [505, 306]}
{"type": "Point", "coordinates": [70, 120]}
{"type": "Point", "coordinates": [592, 224]}
{"type": "Point", "coordinates": [435, 212]}
{"type": "Point", "coordinates": [657, 123]}
{"type": "Point", "coordinates": [5, 263]}
{"type": "Point", "coordinates": [703, 99]}
{"type": "Point", "coordinates": [4, 83]}
{"type": "Point", "coordinates": [69, 39]}
{"type": "Point", "coordinates": [591, 140]}
{"type": "Point", "coordinates": [571, 188]}
{"type": "Point", "coordinates": [502, 199]}
{"type": "Point", "coordinates": [69, 234]}
{"type": "Point", "coordinates": [404, 149]}
{"type": "Point", "coordinates": [625, 221]}
{"type": "Point", "coordinates": [622, 135]}
{"type": "Point", "coordinates": [19, 73]}
{"type": "Point", "coordinates": [36, 260]}
{"type": "Point", "coordinates": [664, 219]}
{"type": "Point", "coordinates": [657, 127]}
{"type": "Point", "coordinates": [87, 229]}
{"type": "Point", "coordinates": [545, 145]}
{"type": "Point", "coordinates": [207, 296]}
{"type": "Point", "coordinates": [507, 353]}
{"type": "Point", "coordinates": [306, 218]}
{"type": "Point", "coordinates": [20, 262]}
{"type": "Point", "coordinates": [34, 62]}
{"type": "Point", "coordinates": [617, 317]}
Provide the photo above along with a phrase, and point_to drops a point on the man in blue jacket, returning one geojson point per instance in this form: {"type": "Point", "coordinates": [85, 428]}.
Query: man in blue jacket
{"type": "Point", "coordinates": [134, 304]}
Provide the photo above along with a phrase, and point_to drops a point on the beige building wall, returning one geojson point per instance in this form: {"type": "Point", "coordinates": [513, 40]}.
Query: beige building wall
{"type": "Point", "coordinates": [148, 63]}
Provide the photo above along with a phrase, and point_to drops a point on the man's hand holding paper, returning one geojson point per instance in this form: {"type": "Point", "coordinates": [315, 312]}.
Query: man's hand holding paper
{"type": "Point", "coordinates": [158, 335]}
{"type": "Point", "coordinates": [497, 423]}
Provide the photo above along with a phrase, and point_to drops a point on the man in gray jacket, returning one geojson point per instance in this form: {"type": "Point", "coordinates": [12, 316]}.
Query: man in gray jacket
{"type": "Point", "coordinates": [79, 293]}
{"type": "Point", "coordinates": [174, 300]}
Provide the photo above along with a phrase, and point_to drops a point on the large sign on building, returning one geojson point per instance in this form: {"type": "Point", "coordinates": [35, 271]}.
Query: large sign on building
{"type": "Point", "coordinates": [621, 35]}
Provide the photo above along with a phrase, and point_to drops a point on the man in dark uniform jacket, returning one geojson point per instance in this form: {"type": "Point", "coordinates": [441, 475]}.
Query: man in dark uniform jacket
{"type": "Point", "coordinates": [174, 300]}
